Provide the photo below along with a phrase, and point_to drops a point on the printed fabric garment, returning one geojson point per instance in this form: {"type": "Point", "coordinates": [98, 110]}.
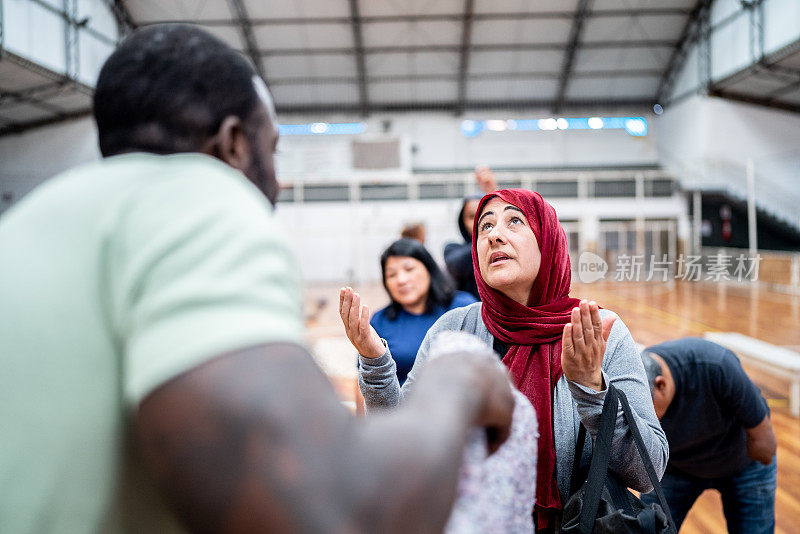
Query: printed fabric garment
{"type": "Point", "coordinates": [495, 494]}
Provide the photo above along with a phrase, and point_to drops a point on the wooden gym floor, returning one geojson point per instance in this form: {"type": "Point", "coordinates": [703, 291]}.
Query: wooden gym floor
{"type": "Point", "coordinates": [653, 313]}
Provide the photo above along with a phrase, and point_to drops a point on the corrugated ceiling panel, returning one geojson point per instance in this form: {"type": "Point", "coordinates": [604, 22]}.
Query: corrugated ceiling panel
{"type": "Point", "coordinates": [410, 64]}
{"type": "Point", "coordinates": [409, 7]}
{"type": "Point", "coordinates": [504, 89]}
{"type": "Point", "coordinates": [523, 6]}
{"type": "Point", "coordinates": [412, 91]}
{"type": "Point", "coordinates": [611, 88]}
{"type": "Point", "coordinates": [662, 27]}
{"type": "Point", "coordinates": [309, 66]}
{"type": "Point", "coordinates": [15, 78]}
{"type": "Point", "coordinates": [289, 67]}
{"type": "Point", "coordinates": [793, 61]}
{"type": "Point", "coordinates": [277, 37]}
{"type": "Point", "coordinates": [412, 33]}
{"type": "Point", "coordinates": [24, 113]}
{"type": "Point", "coordinates": [188, 10]}
{"type": "Point", "coordinates": [498, 62]}
{"type": "Point", "coordinates": [760, 86]}
{"type": "Point", "coordinates": [285, 95]}
{"type": "Point", "coordinates": [642, 4]}
{"type": "Point", "coordinates": [230, 34]}
{"type": "Point", "coordinates": [521, 31]}
{"type": "Point", "coordinates": [290, 95]}
{"type": "Point", "coordinates": [791, 98]}
{"type": "Point", "coordinates": [72, 101]}
{"type": "Point", "coordinates": [588, 59]}
{"type": "Point", "coordinates": [297, 8]}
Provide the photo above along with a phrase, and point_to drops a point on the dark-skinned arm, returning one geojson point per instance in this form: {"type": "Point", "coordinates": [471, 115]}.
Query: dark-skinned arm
{"type": "Point", "coordinates": [256, 441]}
{"type": "Point", "coordinates": [761, 443]}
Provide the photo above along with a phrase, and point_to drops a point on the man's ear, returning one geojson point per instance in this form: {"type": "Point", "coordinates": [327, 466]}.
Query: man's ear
{"type": "Point", "coordinates": [230, 144]}
{"type": "Point", "coordinates": [660, 383]}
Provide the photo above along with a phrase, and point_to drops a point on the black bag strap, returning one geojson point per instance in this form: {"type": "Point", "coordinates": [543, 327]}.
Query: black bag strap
{"type": "Point", "coordinates": [601, 454]}
{"type": "Point", "coordinates": [575, 480]}
{"type": "Point", "coordinates": [648, 463]}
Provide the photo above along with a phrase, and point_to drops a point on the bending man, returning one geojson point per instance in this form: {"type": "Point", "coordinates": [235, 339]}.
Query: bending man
{"type": "Point", "coordinates": [719, 433]}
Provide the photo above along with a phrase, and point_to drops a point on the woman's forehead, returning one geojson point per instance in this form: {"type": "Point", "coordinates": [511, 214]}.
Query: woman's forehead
{"type": "Point", "coordinates": [497, 205]}
{"type": "Point", "coordinates": [400, 260]}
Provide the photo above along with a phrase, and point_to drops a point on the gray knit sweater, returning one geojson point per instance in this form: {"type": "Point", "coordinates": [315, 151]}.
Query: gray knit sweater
{"type": "Point", "coordinates": [572, 403]}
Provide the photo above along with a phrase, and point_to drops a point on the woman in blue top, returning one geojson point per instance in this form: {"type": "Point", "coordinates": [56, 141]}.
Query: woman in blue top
{"type": "Point", "coordinates": [420, 293]}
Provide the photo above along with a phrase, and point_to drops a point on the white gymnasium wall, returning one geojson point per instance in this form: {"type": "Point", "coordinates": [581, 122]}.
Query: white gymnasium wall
{"type": "Point", "coordinates": [706, 142]}
{"type": "Point", "coordinates": [30, 158]}
{"type": "Point", "coordinates": [340, 241]}
{"type": "Point", "coordinates": [435, 141]}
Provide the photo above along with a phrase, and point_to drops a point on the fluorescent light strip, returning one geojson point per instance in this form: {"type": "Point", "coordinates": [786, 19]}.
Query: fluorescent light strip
{"type": "Point", "coordinates": [636, 126]}
{"type": "Point", "coordinates": [323, 128]}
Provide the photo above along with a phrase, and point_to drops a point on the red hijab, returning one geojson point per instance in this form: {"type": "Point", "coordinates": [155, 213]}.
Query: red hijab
{"type": "Point", "coordinates": [533, 333]}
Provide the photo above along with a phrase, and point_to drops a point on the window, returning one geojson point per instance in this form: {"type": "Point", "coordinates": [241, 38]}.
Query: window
{"type": "Point", "coordinates": [557, 189]}
{"type": "Point", "coordinates": [326, 193]}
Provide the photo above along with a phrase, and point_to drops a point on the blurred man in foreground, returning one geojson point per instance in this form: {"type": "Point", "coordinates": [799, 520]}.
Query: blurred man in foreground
{"type": "Point", "coordinates": [150, 321]}
{"type": "Point", "coordinates": [719, 433]}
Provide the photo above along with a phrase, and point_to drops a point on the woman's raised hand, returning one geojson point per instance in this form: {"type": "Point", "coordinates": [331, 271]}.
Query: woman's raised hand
{"type": "Point", "coordinates": [355, 318]}
{"type": "Point", "coordinates": [583, 344]}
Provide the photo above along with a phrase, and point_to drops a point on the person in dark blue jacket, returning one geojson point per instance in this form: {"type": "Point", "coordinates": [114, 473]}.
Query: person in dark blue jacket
{"type": "Point", "coordinates": [458, 256]}
{"type": "Point", "coordinates": [420, 293]}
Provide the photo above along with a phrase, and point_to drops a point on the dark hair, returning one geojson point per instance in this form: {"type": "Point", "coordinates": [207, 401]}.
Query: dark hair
{"type": "Point", "coordinates": [167, 89]}
{"type": "Point", "coordinates": [465, 233]}
{"type": "Point", "coordinates": [441, 291]}
{"type": "Point", "coordinates": [652, 369]}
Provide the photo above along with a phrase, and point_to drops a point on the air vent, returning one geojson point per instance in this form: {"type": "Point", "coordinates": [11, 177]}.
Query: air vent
{"type": "Point", "coordinates": [374, 155]}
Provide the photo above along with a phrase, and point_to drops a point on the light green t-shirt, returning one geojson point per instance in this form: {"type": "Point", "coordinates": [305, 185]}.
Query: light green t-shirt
{"type": "Point", "coordinates": [114, 278]}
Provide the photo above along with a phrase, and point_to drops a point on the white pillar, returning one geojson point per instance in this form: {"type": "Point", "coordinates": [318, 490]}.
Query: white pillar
{"type": "Point", "coordinates": [752, 240]}
{"type": "Point", "coordinates": [589, 233]}
{"type": "Point", "coordinates": [697, 220]}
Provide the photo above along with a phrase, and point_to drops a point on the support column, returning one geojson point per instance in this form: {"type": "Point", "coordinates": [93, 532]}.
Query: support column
{"type": "Point", "coordinates": [752, 240]}
{"type": "Point", "coordinates": [589, 233]}
{"type": "Point", "coordinates": [697, 222]}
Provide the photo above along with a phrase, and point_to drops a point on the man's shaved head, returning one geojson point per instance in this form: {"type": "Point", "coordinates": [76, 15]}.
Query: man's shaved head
{"type": "Point", "coordinates": [167, 89]}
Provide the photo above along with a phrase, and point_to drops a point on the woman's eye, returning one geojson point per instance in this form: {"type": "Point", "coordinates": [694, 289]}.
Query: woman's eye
{"type": "Point", "coordinates": [486, 226]}
{"type": "Point", "coordinates": [515, 220]}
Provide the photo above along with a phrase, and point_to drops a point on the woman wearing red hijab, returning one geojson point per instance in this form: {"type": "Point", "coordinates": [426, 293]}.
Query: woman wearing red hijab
{"type": "Point", "coordinates": [561, 352]}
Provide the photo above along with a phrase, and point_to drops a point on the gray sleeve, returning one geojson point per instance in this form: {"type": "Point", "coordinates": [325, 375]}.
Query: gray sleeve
{"type": "Point", "coordinates": [623, 367]}
{"type": "Point", "coordinates": [377, 377]}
